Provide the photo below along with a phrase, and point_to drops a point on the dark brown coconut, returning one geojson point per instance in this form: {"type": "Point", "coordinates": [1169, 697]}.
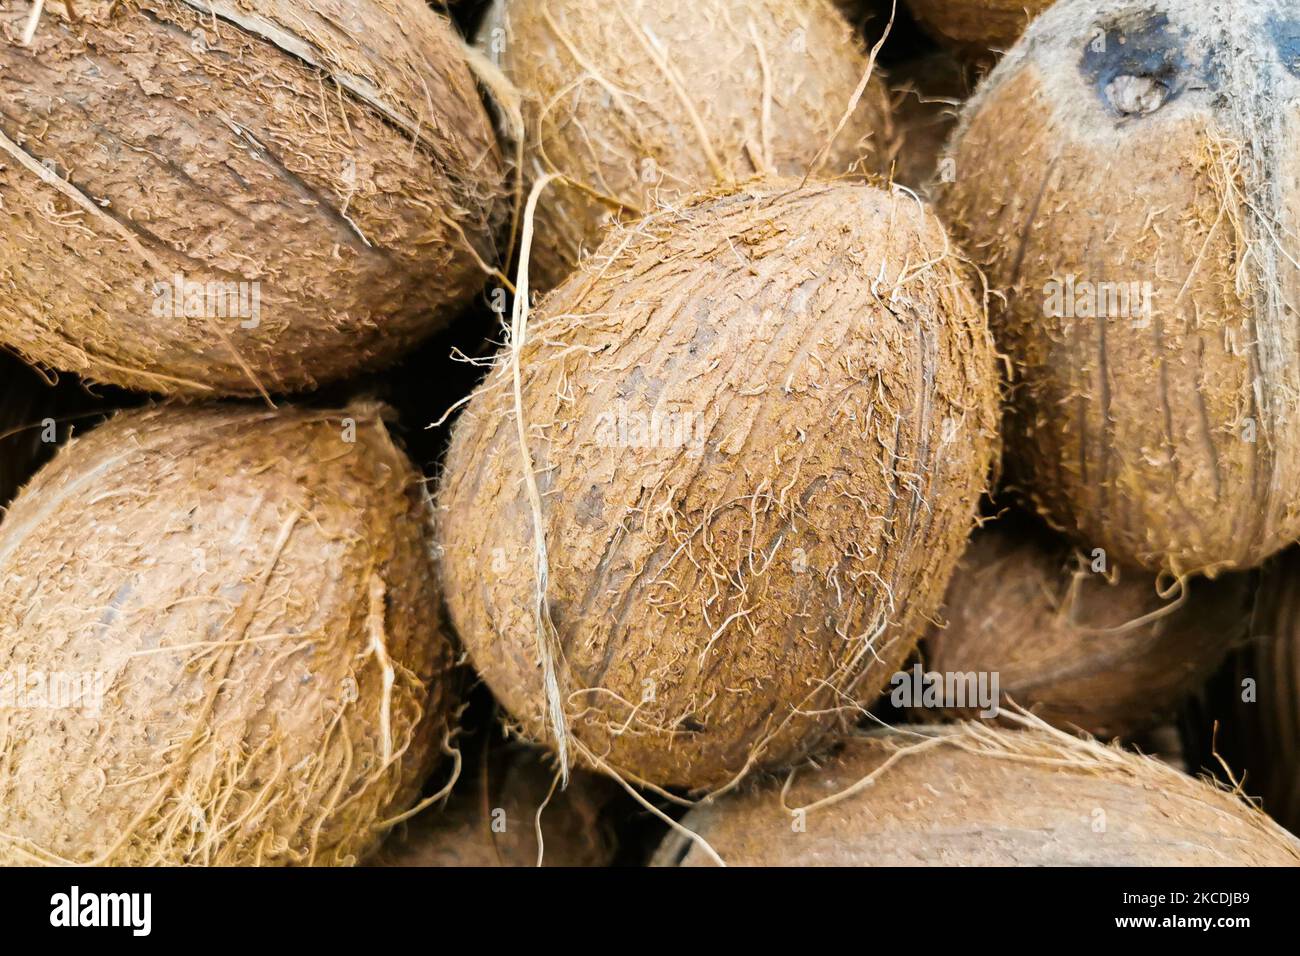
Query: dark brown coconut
{"type": "Point", "coordinates": [1102, 652]}
{"type": "Point", "coordinates": [330, 157]}
{"type": "Point", "coordinates": [760, 426]}
{"type": "Point", "coordinates": [1124, 143]}
{"type": "Point", "coordinates": [644, 102]}
{"type": "Point", "coordinates": [977, 24]}
{"type": "Point", "coordinates": [244, 600]}
{"type": "Point", "coordinates": [492, 819]}
{"type": "Point", "coordinates": [975, 796]}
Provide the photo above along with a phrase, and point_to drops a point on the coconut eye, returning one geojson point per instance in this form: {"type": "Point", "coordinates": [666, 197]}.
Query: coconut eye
{"type": "Point", "coordinates": [1136, 95]}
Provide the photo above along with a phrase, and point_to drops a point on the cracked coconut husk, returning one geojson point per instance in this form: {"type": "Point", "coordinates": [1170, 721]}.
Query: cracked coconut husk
{"type": "Point", "coordinates": [1109, 653]}
{"type": "Point", "coordinates": [643, 102]}
{"type": "Point", "coordinates": [727, 591]}
{"type": "Point", "coordinates": [975, 795]}
{"type": "Point", "coordinates": [334, 152]}
{"type": "Point", "coordinates": [977, 25]}
{"type": "Point", "coordinates": [256, 595]}
{"type": "Point", "coordinates": [495, 818]}
{"type": "Point", "coordinates": [1125, 142]}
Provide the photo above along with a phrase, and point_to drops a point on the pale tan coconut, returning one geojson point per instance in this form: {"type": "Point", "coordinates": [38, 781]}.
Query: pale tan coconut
{"type": "Point", "coordinates": [238, 196]}
{"type": "Point", "coordinates": [642, 102]}
{"type": "Point", "coordinates": [976, 796]}
{"type": "Point", "coordinates": [241, 603]}
{"type": "Point", "coordinates": [760, 426]}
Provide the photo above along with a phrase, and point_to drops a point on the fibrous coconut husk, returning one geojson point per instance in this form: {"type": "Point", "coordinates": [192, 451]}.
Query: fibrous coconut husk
{"type": "Point", "coordinates": [330, 157]}
{"type": "Point", "coordinates": [759, 427]}
{"type": "Point", "coordinates": [493, 819]}
{"type": "Point", "coordinates": [977, 796]}
{"type": "Point", "coordinates": [977, 25]}
{"type": "Point", "coordinates": [242, 604]}
{"type": "Point", "coordinates": [641, 102]}
{"type": "Point", "coordinates": [1110, 651]}
{"type": "Point", "coordinates": [1136, 154]}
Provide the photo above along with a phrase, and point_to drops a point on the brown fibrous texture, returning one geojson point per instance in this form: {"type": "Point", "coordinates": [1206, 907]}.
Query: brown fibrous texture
{"type": "Point", "coordinates": [979, 796]}
{"type": "Point", "coordinates": [977, 24]}
{"type": "Point", "coordinates": [1110, 651]}
{"type": "Point", "coordinates": [330, 157]}
{"type": "Point", "coordinates": [241, 605]}
{"type": "Point", "coordinates": [760, 426]}
{"type": "Point", "coordinates": [641, 102]}
{"type": "Point", "coordinates": [1127, 177]}
{"type": "Point", "coordinates": [493, 819]}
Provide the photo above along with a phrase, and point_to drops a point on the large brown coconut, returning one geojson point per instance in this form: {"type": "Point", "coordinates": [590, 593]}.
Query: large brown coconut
{"type": "Point", "coordinates": [493, 819]}
{"type": "Point", "coordinates": [759, 425]}
{"type": "Point", "coordinates": [237, 195]}
{"type": "Point", "coordinates": [977, 24]}
{"type": "Point", "coordinates": [1128, 176]}
{"type": "Point", "coordinates": [241, 608]}
{"type": "Point", "coordinates": [644, 101]}
{"type": "Point", "coordinates": [975, 796]}
{"type": "Point", "coordinates": [1110, 651]}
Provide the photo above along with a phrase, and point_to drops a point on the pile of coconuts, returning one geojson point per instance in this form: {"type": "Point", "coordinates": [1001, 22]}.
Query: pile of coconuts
{"type": "Point", "coordinates": [563, 433]}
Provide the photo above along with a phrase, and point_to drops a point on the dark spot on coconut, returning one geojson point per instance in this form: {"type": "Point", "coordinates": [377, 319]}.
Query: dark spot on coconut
{"type": "Point", "coordinates": [1138, 63]}
{"type": "Point", "coordinates": [691, 725]}
{"type": "Point", "coordinates": [591, 509]}
{"type": "Point", "coordinates": [1286, 34]}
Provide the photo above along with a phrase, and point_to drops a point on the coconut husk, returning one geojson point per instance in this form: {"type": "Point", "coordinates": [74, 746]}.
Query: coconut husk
{"type": "Point", "coordinates": [1107, 650]}
{"type": "Point", "coordinates": [1125, 145]}
{"type": "Point", "coordinates": [494, 818]}
{"type": "Point", "coordinates": [245, 600]}
{"type": "Point", "coordinates": [749, 504]}
{"type": "Point", "coordinates": [641, 103]}
{"type": "Point", "coordinates": [977, 26]}
{"type": "Point", "coordinates": [331, 158]}
{"type": "Point", "coordinates": [977, 796]}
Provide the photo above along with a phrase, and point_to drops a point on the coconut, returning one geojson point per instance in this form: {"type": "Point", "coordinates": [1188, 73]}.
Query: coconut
{"type": "Point", "coordinates": [640, 103]}
{"type": "Point", "coordinates": [495, 820]}
{"type": "Point", "coordinates": [975, 796]}
{"type": "Point", "coordinates": [221, 642]}
{"type": "Point", "coordinates": [238, 196]}
{"type": "Point", "coordinates": [1107, 650]}
{"type": "Point", "coordinates": [1126, 177]}
{"type": "Point", "coordinates": [759, 427]}
{"type": "Point", "coordinates": [977, 24]}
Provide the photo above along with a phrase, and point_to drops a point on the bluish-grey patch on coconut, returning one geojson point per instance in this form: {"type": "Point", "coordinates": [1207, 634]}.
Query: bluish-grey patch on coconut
{"type": "Point", "coordinates": [1286, 34]}
{"type": "Point", "coordinates": [1140, 63]}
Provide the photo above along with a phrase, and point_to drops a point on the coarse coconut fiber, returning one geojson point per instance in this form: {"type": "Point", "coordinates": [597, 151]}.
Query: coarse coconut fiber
{"type": "Point", "coordinates": [1128, 176]}
{"type": "Point", "coordinates": [229, 616]}
{"type": "Point", "coordinates": [1107, 651]}
{"type": "Point", "coordinates": [759, 427]}
{"type": "Point", "coordinates": [237, 196]}
{"type": "Point", "coordinates": [978, 796]}
{"type": "Point", "coordinates": [641, 102]}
